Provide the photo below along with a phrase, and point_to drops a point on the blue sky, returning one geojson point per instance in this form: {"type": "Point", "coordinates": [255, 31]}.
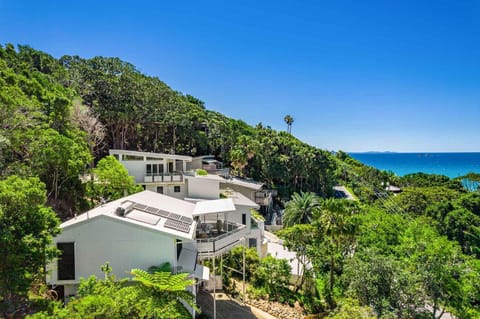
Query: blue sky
{"type": "Point", "coordinates": [355, 75]}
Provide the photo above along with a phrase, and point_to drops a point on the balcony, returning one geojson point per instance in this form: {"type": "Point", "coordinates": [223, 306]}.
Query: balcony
{"type": "Point", "coordinates": [173, 177]}
{"type": "Point", "coordinates": [263, 198]}
{"type": "Point", "coordinates": [214, 239]}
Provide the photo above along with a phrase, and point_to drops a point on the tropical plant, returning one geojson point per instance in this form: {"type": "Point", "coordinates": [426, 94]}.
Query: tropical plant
{"type": "Point", "coordinates": [155, 296]}
{"type": "Point", "coordinates": [300, 209]}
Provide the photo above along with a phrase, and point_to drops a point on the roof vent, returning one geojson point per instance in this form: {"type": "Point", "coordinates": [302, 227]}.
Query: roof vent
{"type": "Point", "coordinates": [120, 212]}
{"type": "Point", "coordinates": [124, 208]}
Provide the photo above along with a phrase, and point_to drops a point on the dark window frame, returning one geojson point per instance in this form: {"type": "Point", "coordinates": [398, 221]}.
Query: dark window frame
{"type": "Point", "coordinates": [66, 263]}
{"type": "Point", "coordinates": [176, 189]}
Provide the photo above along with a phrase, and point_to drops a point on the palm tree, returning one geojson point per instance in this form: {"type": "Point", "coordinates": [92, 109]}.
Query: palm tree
{"type": "Point", "coordinates": [289, 120]}
{"type": "Point", "coordinates": [299, 210]}
{"type": "Point", "coordinates": [338, 227]}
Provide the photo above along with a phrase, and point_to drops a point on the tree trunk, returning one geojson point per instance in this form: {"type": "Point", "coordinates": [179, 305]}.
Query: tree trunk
{"type": "Point", "coordinates": [330, 301]}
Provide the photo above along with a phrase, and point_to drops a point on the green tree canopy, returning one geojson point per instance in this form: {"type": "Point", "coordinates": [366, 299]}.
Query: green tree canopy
{"type": "Point", "coordinates": [111, 181]}
{"type": "Point", "coordinates": [26, 231]}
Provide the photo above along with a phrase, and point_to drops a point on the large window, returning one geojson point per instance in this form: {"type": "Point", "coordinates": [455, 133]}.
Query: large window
{"type": "Point", "coordinates": [154, 169]}
{"type": "Point", "coordinates": [176, 189]}
{"type": "Point", "coordinates": [66, 261]}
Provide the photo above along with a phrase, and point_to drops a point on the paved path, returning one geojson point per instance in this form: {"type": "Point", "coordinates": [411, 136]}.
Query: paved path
{"type": "Point", "coordinates": [272, 238]}
{"type": "Point", "coordinates": [342, 192]}
{"type": "Point", "coordinates": [228, 308]}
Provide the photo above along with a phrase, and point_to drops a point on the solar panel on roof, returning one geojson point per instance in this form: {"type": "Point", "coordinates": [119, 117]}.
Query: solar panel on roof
{"type": "Point", "coordinates": [174, 216]}
{"type": "Point", "coordinates": [163, 213]}
{"type": "Point", "coordinates": [174, 221]}
{"type": "Point", "coordinates": [151, 210]}
{"type": "Point", "coordinates": [143, 217]}
{"type": "Point", "coordinates": [186, 219]}
{"type": "Point", "coordinates": [177, 225]}
{"type": "Point", "coordinates": [139, 206]}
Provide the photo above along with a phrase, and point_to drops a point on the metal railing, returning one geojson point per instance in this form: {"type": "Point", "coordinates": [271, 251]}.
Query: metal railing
{"type": "Point", "coordinates": [163, 177]}
{"type": "Point", "coordinates": [230, 227]}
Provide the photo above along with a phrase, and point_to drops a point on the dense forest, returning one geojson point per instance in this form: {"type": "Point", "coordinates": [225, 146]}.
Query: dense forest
{"type": "Point", "coordinates": [411, 255]}
{"type": "Point", "coordinates": [60, 115]}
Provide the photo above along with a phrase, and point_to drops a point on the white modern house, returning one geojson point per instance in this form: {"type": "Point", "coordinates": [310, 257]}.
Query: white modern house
{"type": "Point", "coordinates": [138, 231]}
{"type": "Point", "coordinates": [175, 175]}
{"type": "Point", "coordinates": [148, 229]}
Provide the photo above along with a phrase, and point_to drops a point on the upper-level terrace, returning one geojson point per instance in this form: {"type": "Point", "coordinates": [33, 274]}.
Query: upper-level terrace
{"type": "Point", "coordinates": [149, 167]}
{"type": "Point", "coordinates": [218, 229]}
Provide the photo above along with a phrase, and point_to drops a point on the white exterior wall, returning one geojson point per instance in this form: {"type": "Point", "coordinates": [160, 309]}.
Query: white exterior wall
{"type": "Point", "coordinates": [236, 216]}
{"type": "Point", "coordinates": [199, 187]}
{"type": "Point", "coordinates": [125, 246]}
{"type": "Point", "coordinates": [138, 169]}
{"type": "Point", "coordinates": [168, 189]}
{"type": "Point", "coordinates": [257, 233]}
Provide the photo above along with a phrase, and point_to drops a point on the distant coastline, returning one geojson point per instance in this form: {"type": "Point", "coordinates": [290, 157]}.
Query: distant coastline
{"type": "Point", "coordinates": [452, 164]}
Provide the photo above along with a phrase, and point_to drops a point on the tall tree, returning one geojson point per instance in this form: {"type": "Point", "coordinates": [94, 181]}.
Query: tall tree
{"type": "Point", "coordinates": [289, 120]}
{"type": "Point", "coordinates": [335, 219]}
{"type": "Point", "coordinates": [439, 264]}
{"type": "Point", "coordinates": [26, 231]}
{"type": "Point", "coordinates": [57, 158]}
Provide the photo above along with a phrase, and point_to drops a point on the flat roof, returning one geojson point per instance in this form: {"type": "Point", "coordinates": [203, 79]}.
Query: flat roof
{"type": "Point", "coordinates": [251, 184]}
{"type": "Point", "coordinates": [151, 154]}
{"type": "Point", "coordinates": [214, 206]}
{"type": "Point", "coordinates": [212, 177]}
{"type": "Point", "coordinates": [239, 199]}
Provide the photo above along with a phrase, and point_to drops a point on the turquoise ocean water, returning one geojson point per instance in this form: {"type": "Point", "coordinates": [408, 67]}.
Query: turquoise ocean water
{"type": "Point", "coordinates": [449, 164]}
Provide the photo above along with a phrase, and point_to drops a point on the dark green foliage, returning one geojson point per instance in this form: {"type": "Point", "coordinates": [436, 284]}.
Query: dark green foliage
{"type": "Point", "coordinates": [416, 200]}
{"type": "Point", "coordinates": [273, 275]}
{"type": "Point", "coordinates": [155, 296]}
{"type": "Point", "coordinates": [381, 282]}
{"type": "Point", "coordinates": [36, 136]}
{"type": "Point", "coordinates": [111, 181]}
{"type": "Point", "coordinates": [136, 112]}
{"type": "Point", "coordinates": [470, 201]}
{"type": "Point", "coordinates": [26, 230]}
{"type": "Point", "coordinates": [234, 260]}
{"type": "Point", "coordinates": [459, 221]}
{"type": "Point", "coordinates": [429, 180]}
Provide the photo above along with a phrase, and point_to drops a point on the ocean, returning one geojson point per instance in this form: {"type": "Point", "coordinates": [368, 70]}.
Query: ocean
{"type": "Point", "coordinates": [449, 164]}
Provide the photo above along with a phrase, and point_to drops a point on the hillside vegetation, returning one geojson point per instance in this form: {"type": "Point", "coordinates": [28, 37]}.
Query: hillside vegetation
{"type": "Point", "coordinates": [59, 116]}
{"type": "Point", "coordinates": [411, 255]}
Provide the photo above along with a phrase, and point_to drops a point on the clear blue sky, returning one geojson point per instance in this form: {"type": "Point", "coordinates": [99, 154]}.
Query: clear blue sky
{"type": "Point", "coordinates": [355, 75]}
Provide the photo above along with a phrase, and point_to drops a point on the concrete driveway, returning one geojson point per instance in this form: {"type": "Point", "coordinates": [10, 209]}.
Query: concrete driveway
{"type": "Point", "coordinates": [227, 308]}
